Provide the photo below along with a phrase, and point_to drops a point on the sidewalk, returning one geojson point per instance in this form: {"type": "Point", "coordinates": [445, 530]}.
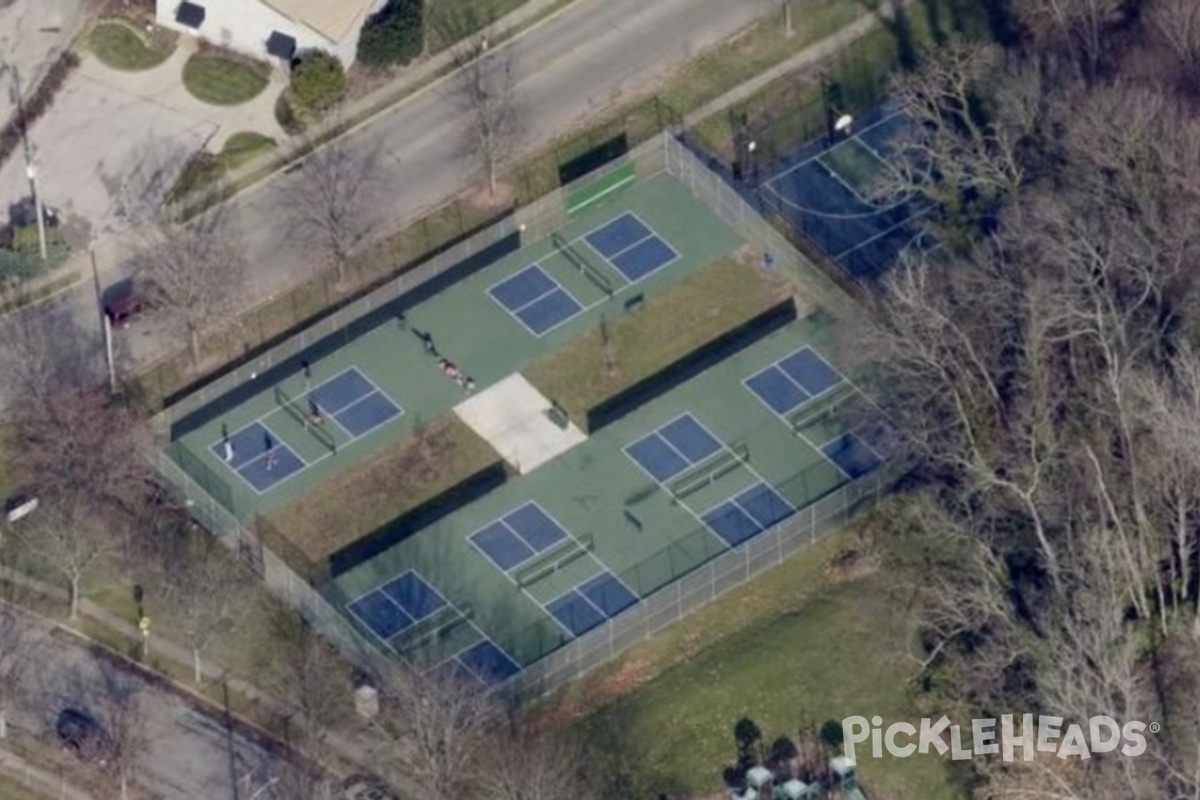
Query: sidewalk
{"type": "Point", "coordinates": [810, 56]}
{"type": "Point", "coordinates": [45, 782]}
{"type": "Point", "coordinates": [419, 78]}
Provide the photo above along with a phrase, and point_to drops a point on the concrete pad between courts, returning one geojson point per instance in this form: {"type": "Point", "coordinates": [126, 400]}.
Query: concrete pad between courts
{"type": "Point", "coordinates": [512, 417]}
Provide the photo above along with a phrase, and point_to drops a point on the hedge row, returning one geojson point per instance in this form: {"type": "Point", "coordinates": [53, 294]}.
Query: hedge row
{"type": "Point", "coordinates": [11, 134]}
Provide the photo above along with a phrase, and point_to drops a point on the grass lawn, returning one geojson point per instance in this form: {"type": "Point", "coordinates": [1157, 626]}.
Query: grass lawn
{"type": "Point", "coordinates": [8, 477]}
{"type": "Point", "coordinates": [377, 490]}
{"type": "Point", "coordinates": [701, 80]}
{"type": "Point", "coordinates": [122, 46]}
{"type": "Point", "coordinates": [804, 645]}
{"type": "Point", "coordinates": [205, 168]}
{"type": "Point", "coordinates": [222, 81]}
{"type": "Point", "coordinates": [12, 789]}
{"type": "Point", "coordinates": [616, 355]}
{"type": "Point", "coordinates": [449, 21]}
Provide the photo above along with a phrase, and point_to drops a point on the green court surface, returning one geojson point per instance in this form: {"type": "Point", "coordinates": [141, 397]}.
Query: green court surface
{"type": "Point", "coordinates": [370, 386]}
{"type": "Point", "coordinates": [467, 325]}
{"type": "Point", "coordinates": [855, 163]}
{"type": "Point", "coordinates": [618, 518]}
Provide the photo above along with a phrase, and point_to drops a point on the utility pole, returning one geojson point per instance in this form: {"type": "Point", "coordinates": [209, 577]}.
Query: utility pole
{"type": "Point", "coordinates": [30, 158]}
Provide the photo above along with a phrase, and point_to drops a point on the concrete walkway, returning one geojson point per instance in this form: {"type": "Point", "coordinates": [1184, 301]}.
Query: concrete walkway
{"type": "Point", "coordinates": [810, 56]}
{"type": "Point", "coordinates": [39, 779]}
{"type": "Point", "coordinates": [163, 87]}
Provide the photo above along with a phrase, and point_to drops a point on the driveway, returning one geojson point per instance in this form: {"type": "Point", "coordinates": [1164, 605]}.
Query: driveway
{"type": "Point", "coordinates": [32, 34]}
{"type": "Point", "coordinates": [114, 142]}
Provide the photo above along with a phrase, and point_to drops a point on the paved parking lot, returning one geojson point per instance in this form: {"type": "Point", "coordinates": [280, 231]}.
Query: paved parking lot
{"type": "Point", "coordinates": [114, 142]}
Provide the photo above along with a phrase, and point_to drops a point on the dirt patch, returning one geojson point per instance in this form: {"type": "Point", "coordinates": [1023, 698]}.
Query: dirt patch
{"type": "Point", "coordinates": [851, 564]}
{"type": "Point", "coordinates": [484, 199]}
{"type": "Point", "coordinates": [377, 490]}
{"type": "Point", "coordinates": [627, 677]}
{"type": "Point", "coordinates": [633, 346]}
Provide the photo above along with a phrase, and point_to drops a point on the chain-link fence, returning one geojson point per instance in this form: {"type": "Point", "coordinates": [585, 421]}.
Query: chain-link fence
{"type": "Point", "coordinates": [667, 597]}
{"type": "Point", "coordinates": [531, 223]}
{"type": "Point", "coordinates": [701, 586]}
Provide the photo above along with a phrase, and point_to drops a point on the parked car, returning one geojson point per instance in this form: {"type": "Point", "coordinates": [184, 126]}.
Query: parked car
{"type": "Point", "coordinates": [79, 732]}
{"type": "Point", "coordinates": [122, 302]}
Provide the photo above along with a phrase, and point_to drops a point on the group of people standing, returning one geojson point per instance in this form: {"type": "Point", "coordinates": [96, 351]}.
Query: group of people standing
{"type": "Point", "coordinates": [448, 367]}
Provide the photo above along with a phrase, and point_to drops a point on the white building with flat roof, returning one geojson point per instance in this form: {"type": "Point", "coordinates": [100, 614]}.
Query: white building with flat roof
{"type": "Point", "coordinates": [272, 28]}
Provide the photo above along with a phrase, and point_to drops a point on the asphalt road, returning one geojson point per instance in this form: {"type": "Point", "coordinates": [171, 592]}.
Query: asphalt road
{"type": "Point", "coordinates": [580, 61]}
{"type": "Point", "coordinates": [183, 753]}
{"type": "Point", "coordinates": [574, 64]}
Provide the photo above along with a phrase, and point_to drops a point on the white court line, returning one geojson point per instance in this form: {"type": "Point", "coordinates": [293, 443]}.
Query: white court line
{"type": "Point", "coordinates": [546, 609]}
{"type": "Point", "coordinates": [260, 420]}
{"type": "Point", "coordinates": [636, 598]}
{"type": "Point", "coordinates": [399, 413]}
{"type": "Point", "coordinates": [505, 572]}
{"type": "Point", "coordinates": [367, 625]}
{"type": "Point", "coordinates": [922, 212]}
{"type": "Point", "coordinates": [666, 489]}
{"type": "Point", "coordinates": [837, 176]}
{"type": "Point", "coordinates": [857, 134]}
{"type": "Point", "coordinates": [560, 323]}
{"type": "Point", "coordinates": [791, 508]}
{"type": "Point", "coordinates": [483, 638]}
{"type": "Point", "coordinates": [784, 418]}
{"type": "Point", "coordinates": [833, 170]}
{"type": "Point", "coordinates": [658, 432]}
{"type": "Point", "coordinates": [536, 266]}
{"type": "Point", "coordinates": [675, 256]}
{"type": "Point", "coordinates": [583, 237]}
{"type": "Point", "coordinates": [275, 437]}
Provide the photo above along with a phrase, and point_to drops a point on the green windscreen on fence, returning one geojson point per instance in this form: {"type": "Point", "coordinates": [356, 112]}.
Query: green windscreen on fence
{"type": "Point", "coordinates": [583, 197]}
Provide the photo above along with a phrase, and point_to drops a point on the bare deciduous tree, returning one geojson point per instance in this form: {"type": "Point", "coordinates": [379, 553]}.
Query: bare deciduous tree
{"type": "Point", "coordinates": [1044, 377]}
{"type": "Point", "coordinates": [72, 440]}
{"type": "Point", "coordinates": [521, 762]}
{"type": "Point", "coordinates": [202, 590]}
{"type": "Point", "coordinates": [963, 145]}
{"type": "Point", "coordinates": [1176, 23]}
{"type": "Point", "coordinates": [441, 727]}
{"type": "Point", "coordinates": [314, 683]}
{"type": "Point", "coordinates": [193, 273]}
{"type": "Point", "coordinates": [330, 207]}
{"type": "Point", "coordinates": [486, 91]}
{"type": "Point", "coordinates": [1075, 28]}
{"type": "Point", "coordinates": [70, 539]}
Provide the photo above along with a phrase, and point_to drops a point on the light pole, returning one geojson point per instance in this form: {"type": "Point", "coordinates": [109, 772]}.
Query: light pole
{"type": "Point", "coordinates": [31, 172]}
{"type": "Point", "coordinates": [30, 155]}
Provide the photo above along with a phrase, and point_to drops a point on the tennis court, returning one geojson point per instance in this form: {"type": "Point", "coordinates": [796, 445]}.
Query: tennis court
{"type": "Point", "coordinates": [490, 585]}
{"type": "Point", "coordinates": [838, 196]}
{"type": "Point", "coordinates": [619, 252]}
{"type": "Point", "coordinates": [347, 402]}
{"type": "Point", "coordinates": [373, 384]}
{"type": "Point", "coordinates": [555, 553]}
